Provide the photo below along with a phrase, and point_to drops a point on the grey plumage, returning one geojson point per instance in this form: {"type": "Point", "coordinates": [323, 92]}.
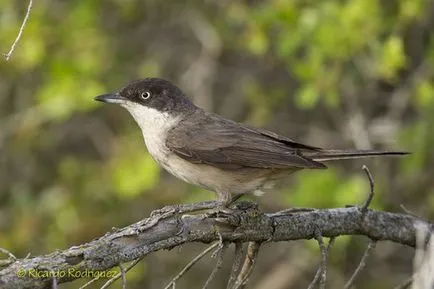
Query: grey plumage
{"type": "Point", "coordinates": [232, 146]}
{"type": "Point", "coordinates": [213, 152]}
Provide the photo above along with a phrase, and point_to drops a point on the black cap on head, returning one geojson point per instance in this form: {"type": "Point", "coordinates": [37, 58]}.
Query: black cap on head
{"type": "Point", "coordinates": [156, 93]}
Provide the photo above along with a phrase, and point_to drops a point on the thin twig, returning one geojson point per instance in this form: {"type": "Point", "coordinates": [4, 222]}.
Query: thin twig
{"type": "Point", "coordinates": [368, 201]}
{"type": "Point", "coordinates": [90, 282]}
{"type": "Point", "coordinates": [319, 271]}
{"type": "Point", "coordinates": [54, 284]}
{"type": "Point", "coordinates": [361, 265]}
{"type": "Point", "coordinates": [189, 265]}
{"type": "Point", "coordinates": [236, 265]}
{"type": "Point", "coordinates": [249, 264]}
{"type": "Point", "coordinates": [119, 275]}
{"type": "Point", "coordinates": [409, 212]}
{"type": "Point", "coordinates": [324, 256]}
{"type": "Point", "coordinates": [124, 277]}
{"type": "Point", "coordinates": [218, 265]}
{"type": "Point", "coordinates": [9, 54]}
{"type": "Point", "coordinates": [10, 255]}
{"type": "Point", "coordinates": [406, 284]}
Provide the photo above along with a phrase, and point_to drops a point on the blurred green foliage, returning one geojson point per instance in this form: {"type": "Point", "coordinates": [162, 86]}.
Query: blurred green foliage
{"type": "Point", "coordinates": [332, 73]}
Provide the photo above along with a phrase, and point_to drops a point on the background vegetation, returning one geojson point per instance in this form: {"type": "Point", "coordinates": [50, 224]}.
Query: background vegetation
{"type": "Point", "coordinates": [330, 73]}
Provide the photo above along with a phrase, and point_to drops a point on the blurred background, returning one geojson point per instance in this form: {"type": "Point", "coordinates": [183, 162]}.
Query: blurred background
{"type": "Point", "coordinates": [329, 73]}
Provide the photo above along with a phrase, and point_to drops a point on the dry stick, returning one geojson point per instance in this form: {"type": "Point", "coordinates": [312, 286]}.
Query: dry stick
{"type": "Point", "coordinates": [406, 284]}
{"type": "Point", "coordinates": [319, 270]}
{"type": "Point", "coordinates": [408, 212]}
{"type": "Point", "coordinates": [368, 201]}
{"type": "Point", "coordinates": [238, 255]}
{"type": "Point", "coordinates": [54, 284]}
{"type": "Point", "coordinates": [189, 265]}
{"type": "Point", "coordinates": [88, 283]}
{"type": "Point", "coordinates": [9, 54]}
{"type": "Point", "coordinates": [361, 265]}
{"type": "Point", "coordinates": [218, 265]}
{"type": "Point", "coordinates": [124, 277]}
{"type": "Point", "coordinates": [10, 255]}
{"type": "Point", "coordinates": [119, 275]}
{"type": "Point", "coordinates": [249, 263]}
{"type": "Point", "coordinates": [324, 256]}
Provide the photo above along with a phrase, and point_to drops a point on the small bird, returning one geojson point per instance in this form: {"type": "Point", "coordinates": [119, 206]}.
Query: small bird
{"type": "Point", "coordinates": [216, 153]}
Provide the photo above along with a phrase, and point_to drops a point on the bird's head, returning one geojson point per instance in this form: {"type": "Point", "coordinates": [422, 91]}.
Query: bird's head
{"type": "Point", "coordinates": [150, 99]}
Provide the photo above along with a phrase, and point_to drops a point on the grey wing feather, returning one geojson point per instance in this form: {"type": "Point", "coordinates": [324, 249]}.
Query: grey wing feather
{"type": "Point", "coordinates": [211, 139]}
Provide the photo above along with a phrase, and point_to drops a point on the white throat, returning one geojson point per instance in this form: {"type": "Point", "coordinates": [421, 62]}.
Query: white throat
{"type": "Point", "coordinates": [154, 125]}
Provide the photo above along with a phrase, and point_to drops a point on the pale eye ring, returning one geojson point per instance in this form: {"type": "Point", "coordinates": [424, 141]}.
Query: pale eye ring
{"type": "Point", "coordinates": [145, 95]}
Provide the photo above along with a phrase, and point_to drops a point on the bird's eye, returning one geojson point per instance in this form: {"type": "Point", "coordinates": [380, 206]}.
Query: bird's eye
{"type": "Point", "coordinates": [145, 95]}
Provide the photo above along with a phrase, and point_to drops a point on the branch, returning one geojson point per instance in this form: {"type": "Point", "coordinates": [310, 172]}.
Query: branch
{"type": "Point", "coordinates": [371, 189]}
{"type": "Point", "coordinates": [322, 269]}
{"type": "Point", "coordinates": [168, 230]}
{"type": "Point", "coordinates": [220, 253]}
{"type": "Point", "coordinates": [9, 54]}
{"type": "Point", "coordinates": [172, 283]}
{"type": "Point", "coordinates": [249, 264]}
{"type": "Point", "coordinates": [362, 264]}
{"type": "Point", "coordinates": [236, 265]}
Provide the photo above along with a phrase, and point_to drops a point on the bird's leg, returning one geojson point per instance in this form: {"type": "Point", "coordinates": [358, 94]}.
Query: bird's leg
{"type": "Point", "coordinates": [224, 200]}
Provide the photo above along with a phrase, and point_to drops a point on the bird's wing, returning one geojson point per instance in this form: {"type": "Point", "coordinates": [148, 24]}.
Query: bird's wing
{"type": "Point", "coordinates": [210, 139]}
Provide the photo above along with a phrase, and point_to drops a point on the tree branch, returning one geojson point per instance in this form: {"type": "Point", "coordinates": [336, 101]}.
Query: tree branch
{"type": "Point", "coordinates": [166, 231]}
{"type": "Point", "coordinates": [249, 264]}
{"type": "Point", "coordinates": [236, 265]}
{"type": "Point", "coordinates": [322, 269]}
{"type": "Point", "coordinates": [361, 265]}
{"type": "Point", "coordinates": [12, 49]}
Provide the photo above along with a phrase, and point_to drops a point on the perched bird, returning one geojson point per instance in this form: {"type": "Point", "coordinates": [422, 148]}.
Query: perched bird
{"type": "Point", "coordinates": [216, 153]}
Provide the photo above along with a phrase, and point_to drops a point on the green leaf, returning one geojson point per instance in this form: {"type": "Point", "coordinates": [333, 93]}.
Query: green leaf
{"type": "Point", "coordinates": [307, 97]}
{"type": "Point", "coordinates": [257, 41]}
{"type": "Point", "coordinates": [393, 57]}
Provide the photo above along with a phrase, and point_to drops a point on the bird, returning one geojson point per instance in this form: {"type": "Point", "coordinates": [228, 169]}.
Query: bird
{"type": "Point", "coordinates": [215, 153]}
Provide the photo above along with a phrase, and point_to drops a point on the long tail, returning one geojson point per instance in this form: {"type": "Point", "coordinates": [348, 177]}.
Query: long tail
{"type": "Point", "coordinates": [331, 155]}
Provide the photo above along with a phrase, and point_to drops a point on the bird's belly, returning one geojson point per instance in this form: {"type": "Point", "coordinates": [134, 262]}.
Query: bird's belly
{"type": "Point", "coordinates": [217, 180]}
{"type": "Point", "coordinates": [239, 181]}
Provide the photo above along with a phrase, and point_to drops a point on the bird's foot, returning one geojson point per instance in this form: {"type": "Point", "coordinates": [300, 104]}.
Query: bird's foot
{"type": "Point", "coordinates": [230, 215]}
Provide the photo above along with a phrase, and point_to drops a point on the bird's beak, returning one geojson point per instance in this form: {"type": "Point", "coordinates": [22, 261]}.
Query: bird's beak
{"type": "Point", "coordinates": [111, 98]}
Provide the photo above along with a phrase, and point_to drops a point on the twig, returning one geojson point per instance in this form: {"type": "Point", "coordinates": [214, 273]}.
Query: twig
{"type": "Point", "coordinates": [189, 265]}
{"type": "Point", "coordinates": [88, 283]}
{"type": "Point", "coordinates": [218, 265]}
{"type": "Point", "coordinates": [119, 275]}
{"type": "Point", "coordinates": [124, 277]}
{"type": "Point", "coordinates": [238, 255]}
{"type": "Point", "coordinates": [361, 265]}
{"type": "Point", "coordinates": [424, 257]}
{"type": "Point", "coordinates": [54, 284]}
{"type": "Point", "coordinates": [324, 256]}
{"type": "Point", "coordinates": [409, 212]}
{"type": "Point", "coordinates": [9, 54]}
{"type": "Point", "coordinates": [10, 255]}
{"type": "Point", "coordinates": [368, 201]}
{"type": "Point", "coordinates": [115, 247]}
{"type": "Point", "coordinates": [249, 264]}
{"type": "Point", "coordinates": [319, 271]}
{"type": "Point", "coordinates": [405, 284]}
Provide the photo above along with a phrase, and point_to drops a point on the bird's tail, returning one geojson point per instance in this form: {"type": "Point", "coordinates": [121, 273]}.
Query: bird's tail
{"type": "Point", "coordinates": [331, 155]}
